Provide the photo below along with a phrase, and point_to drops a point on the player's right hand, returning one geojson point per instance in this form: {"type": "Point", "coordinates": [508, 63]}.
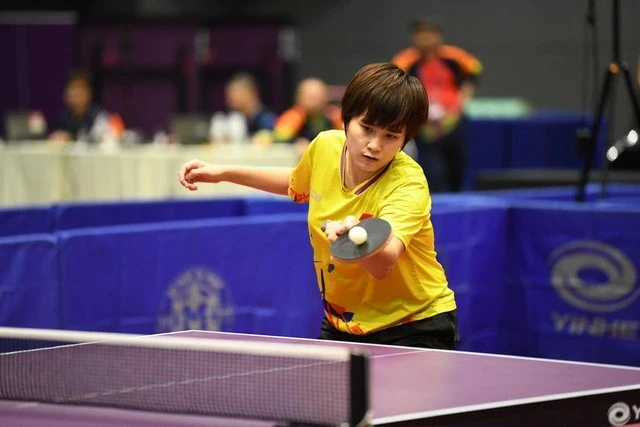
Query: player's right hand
{"type": "Point", "coordinates": [195, 171]}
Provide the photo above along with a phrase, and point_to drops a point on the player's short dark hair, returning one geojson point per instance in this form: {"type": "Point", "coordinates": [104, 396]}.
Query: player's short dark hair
{"type": "Point", "coordinates": [388, 98]}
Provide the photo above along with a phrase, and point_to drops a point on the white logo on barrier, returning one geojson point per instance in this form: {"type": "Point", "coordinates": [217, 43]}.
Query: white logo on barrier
{"type": "Point", "coordinates": [616, 291]}
{"type": "Point", "coordinates": [619, 414]}
{"type": "Point", "coordinates": [198, 299]}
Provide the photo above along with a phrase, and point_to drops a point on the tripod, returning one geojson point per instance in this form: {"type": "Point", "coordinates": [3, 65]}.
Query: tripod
{"type": "Point", "coordinates": [616, 67]}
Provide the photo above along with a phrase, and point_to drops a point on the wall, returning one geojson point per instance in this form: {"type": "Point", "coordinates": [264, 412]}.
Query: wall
{"type": "Point", "coordinates": [532, 49]}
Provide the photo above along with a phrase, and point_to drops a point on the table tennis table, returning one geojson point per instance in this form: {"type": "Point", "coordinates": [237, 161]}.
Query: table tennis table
{"type": "Point", "coordinates": [414, 387]}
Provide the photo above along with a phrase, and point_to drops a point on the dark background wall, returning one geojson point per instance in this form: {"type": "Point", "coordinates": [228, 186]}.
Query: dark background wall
{"type": "Point", "coordinates": [531, 49]}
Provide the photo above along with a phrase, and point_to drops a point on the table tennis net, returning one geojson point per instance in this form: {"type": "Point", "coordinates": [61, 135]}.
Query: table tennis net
{"type": "Point", "coordinates": [222, 378]}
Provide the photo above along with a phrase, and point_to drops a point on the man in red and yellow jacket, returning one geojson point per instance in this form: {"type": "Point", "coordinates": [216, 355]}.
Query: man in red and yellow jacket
{"type": "Point", "coordinates": [449, 75]}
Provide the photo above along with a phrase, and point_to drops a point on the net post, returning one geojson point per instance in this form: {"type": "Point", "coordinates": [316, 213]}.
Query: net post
{"type": "Point", "coordinates": [359, 389]}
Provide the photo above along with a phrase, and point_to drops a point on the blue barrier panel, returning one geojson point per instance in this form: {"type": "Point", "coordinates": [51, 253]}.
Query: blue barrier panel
{"type": "Point", "coordinates": [29, 291]}
{"type": "Point", "coordinates": [83, 215]}
{"type": "Point", "coordinates": [573, 282]}
{"type": "Point", "coordinates": [615, 193]}
{"type": "Point", "coordinates": [543, 140]}
{"type": "Point", "coordinates": [273, 205]}
{"type": "Point", "coordinates": [547, 140]}
{"type": "Point", "coordinates": [463, 199]}
{"type": "Point", "coordinates": [632, 202]}
{"type": "Point", "coordinates": [470, 242]}
{"type": "Point", "coordinates": [487, 147]}
{"type": "Point", "coordinates": [250, 274]}
{"type": "Point", "coordinates": [28, 220]}
{"type": "Point", "coordinates": [544, 143]}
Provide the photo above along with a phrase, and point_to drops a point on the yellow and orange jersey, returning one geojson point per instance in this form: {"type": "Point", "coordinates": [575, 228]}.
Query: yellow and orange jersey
{"type": "Point", "coordinates": [354, 301]}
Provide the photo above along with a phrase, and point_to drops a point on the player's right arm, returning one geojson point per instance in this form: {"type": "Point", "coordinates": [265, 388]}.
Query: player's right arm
{"type": "Point", "coordinates": [273, 179]}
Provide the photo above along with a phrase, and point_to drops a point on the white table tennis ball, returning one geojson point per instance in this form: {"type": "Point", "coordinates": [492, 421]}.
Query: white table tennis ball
{"type": "Point", "coordinates": [358, 235]}
{"type": "Point", "coordinates": [350, 221]}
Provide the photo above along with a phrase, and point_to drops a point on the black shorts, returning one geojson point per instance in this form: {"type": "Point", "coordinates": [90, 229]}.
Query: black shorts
{"type": "Point", "coordinates": [439, 331]}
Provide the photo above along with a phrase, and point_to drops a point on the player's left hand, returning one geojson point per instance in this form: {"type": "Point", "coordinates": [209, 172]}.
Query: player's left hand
{"type": "Point", "coordinates": [334, 229]}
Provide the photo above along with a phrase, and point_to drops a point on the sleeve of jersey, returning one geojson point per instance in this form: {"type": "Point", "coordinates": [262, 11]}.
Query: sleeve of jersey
{"type": "Point", "coordinates": [300, 181]}
{"type": "Point", "coordinates": [406, 58]}
{"type": "Point", "coordinates": [288, 125]}
{"type": "Point", "coordinates": [468, 63]}
{"type": "Point", "coordinates": [406, 209]}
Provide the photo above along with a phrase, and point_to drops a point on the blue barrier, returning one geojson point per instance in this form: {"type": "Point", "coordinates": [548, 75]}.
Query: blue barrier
{"type": "Point", "coordinates": [470, 242]}
{"type": "Point", "coordinates": [29, 285]}
{"type": "Point", "coordinates": [82, 215]}
{"type": "Point", "coordinates": [155, 257]}
{"type": "Point", "coordinates": [251, 275]}
{"type": "Point", "coordinates": [506, 256]}
{"type": "Point", "coordinates": [548, 141]}
{"type": "Point", "coordinates": [615, 193]}
{"type": "Point", "coordinates": [273, 205]}
{"type": "Point", "coordinates": [543, 140]}
{"type": "Point", "coordinates": [23, 221]}
{"type": "Point", "coordinates": [487, 147]}
{"type": "Point", "coordinates": [571, 287]}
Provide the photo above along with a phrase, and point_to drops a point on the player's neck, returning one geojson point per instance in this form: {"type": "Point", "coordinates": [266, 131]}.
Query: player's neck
{"type": "Point", "coordinates": [353, 178]}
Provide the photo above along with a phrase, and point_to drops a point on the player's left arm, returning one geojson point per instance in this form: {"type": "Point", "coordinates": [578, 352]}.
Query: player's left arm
{"type": "Point", "coordinates": [382, 263]}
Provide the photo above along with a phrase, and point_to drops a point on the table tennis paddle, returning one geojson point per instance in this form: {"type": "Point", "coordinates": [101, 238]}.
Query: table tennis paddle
{"type": "Point", "coordinates": [378, 234]}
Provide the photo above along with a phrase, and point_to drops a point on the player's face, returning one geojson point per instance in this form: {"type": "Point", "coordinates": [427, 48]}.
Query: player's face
{"type": "Point", "coordinates": [370, 147]}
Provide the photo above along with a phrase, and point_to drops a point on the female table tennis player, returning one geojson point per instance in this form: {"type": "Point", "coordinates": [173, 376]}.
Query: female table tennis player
{"type": "Point", "coordinates": [399, 295]}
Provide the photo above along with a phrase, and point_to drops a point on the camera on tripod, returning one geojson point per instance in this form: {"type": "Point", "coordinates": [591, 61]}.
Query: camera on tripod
{"type": "Point", "coordinates": [586, 137]}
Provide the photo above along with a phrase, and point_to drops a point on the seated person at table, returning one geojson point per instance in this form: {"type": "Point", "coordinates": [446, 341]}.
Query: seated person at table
{"type": "Point", "coordinates": [311, 115]}
{"type": "Point", "coordinates": [81, 117]}
{"type": "Point", "coordinates": [242, 95]}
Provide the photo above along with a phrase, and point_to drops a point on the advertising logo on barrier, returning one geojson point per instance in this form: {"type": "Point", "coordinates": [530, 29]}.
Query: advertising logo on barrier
{"type": "Point", "coordinates": [197, 299]}
{"type": "Point", "coordinates": [621, 414]}
{"type": "Point", "coordinates": [599, 281]}
{"type": "Point", "coordinates": [615, 286]}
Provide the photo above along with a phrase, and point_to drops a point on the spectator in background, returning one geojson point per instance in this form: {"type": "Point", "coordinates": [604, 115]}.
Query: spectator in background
{"type": "Point", "coordinates": [449, 75]}
{"type": "Point", "coordinates": [311, 114]}
{"type": "Point", "coordinates": [243, 96]}
{"type": "Point", "coordinates": [81, 118]}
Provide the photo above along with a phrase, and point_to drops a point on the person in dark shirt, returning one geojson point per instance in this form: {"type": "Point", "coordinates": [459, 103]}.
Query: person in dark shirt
{"type": "Point", "coordinates": [81, 114]}
{"type": "Point", "coordinates": [242, 95]}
